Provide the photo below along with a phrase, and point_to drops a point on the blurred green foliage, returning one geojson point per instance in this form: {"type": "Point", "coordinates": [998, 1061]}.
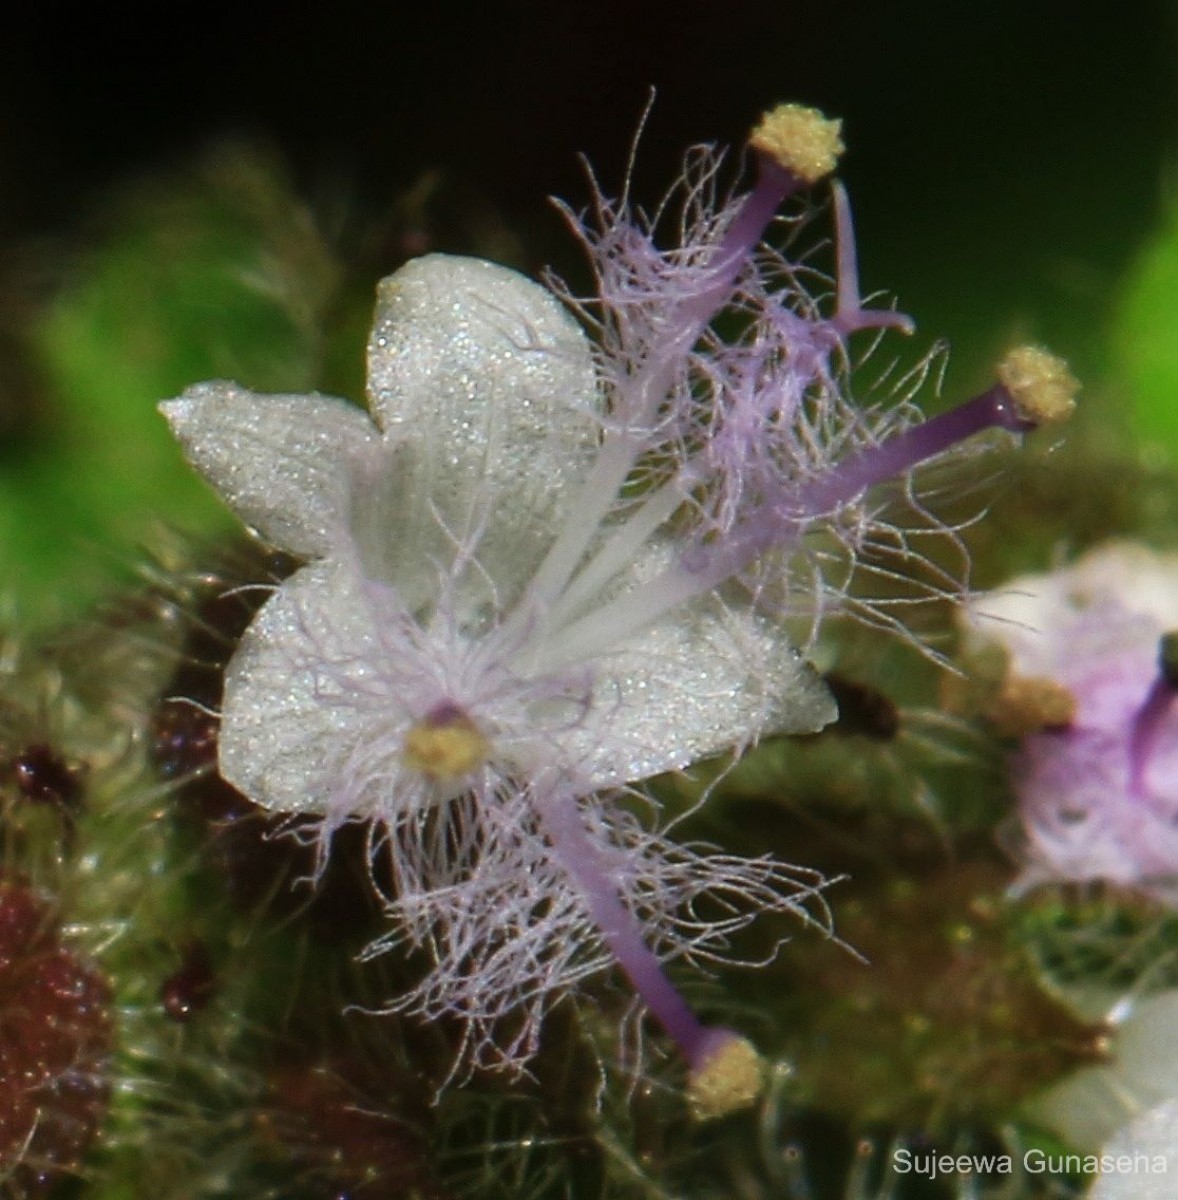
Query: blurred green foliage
{"type": "Point", "coordinates": [1146, 337]}
{"type": "Point", "coordinates": [218, 273]}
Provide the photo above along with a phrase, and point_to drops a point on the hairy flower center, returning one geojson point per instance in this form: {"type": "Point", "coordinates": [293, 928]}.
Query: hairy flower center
{"type": "Point", "coordinates": [445, 745]}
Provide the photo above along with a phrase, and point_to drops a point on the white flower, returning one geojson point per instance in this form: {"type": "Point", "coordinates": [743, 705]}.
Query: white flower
{"type": "Point", "coordinates": [425, 523]}
{"type": "Point", "coordinates": [407, 674]}
{"type": "Point", "coordinates": [541, 571]}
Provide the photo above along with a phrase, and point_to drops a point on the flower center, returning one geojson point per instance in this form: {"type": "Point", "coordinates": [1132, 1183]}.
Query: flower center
{"type": "Point", "coordinates": [445, 744]}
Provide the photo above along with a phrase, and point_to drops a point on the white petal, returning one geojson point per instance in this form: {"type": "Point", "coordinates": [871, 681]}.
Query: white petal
{"type": "Point", "coordinates": [1144, 580]}
{"type": "Point", "coordinates": [1142, 1160]}
{"type": "Point", "coordinates": [283, 463]}
{"type": "Point", "coordinates": [1088, 1106]}
{"type": "Point", "coordinates": [488, 385]}
{"type": "Point", "coordinates": [1045, 621]}
{"type": "Point", "coordinates": [702, 681]}
{"type": "Point", "coordinates": [294, 706]}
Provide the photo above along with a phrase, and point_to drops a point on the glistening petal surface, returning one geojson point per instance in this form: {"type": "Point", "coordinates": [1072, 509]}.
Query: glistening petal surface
{"type": "Point", "coordinates": [295, 692]}
{"type": "Point", "coordinates": [488, 387]}
{"type": "Point", "coordinates": [283, 463]}
{"type": "Point", "coordinates": [704, 680]}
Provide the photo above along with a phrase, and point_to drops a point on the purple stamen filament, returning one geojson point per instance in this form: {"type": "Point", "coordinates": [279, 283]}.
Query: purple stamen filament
{"type": "Point", "coordinates": [620, 931]}
{"type": "Point", "coordinates": [622, 448]}
{"type": "Point", "coordinates": [850, 315]}
{"type": "Point", "coordinates": [780, 520]}
{"type": "Point", "coordinates": [993, 409]}
{"type": "Point", "coordinates": [774, 185]}
{"type": "Point", "coordinates": [1150, 717]}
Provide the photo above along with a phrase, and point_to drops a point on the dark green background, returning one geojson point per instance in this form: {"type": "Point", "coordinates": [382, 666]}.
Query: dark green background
{"type": "Point", "coordinates": [1007, 161]}
{"type": "Point", "coordinates": [1019, 142]}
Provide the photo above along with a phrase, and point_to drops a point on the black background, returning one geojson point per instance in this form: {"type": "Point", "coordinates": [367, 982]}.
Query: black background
{"type": "Point", "coordinates": [1006, 148]}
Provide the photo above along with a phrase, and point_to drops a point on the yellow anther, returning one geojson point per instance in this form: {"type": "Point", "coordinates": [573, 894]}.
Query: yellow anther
{"type": "Point", "coordinates": [1040, 384]}
{"type": "Point", "coordinates": [445, 749]}
{"type": "Point", "coordinates": [729, 1079]}
{"type": "Point", "coordinates": [800, 139]}
{"type": "Point", "coordinates": [1029, 704]}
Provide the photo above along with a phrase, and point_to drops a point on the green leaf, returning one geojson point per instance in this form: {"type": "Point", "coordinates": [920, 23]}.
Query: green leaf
{"type": "Point", "coordinates": [1146, 338]}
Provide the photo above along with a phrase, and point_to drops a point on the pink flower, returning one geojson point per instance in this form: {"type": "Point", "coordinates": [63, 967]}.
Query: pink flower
{"type": "Point", "coordinates": [1097, 781]}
